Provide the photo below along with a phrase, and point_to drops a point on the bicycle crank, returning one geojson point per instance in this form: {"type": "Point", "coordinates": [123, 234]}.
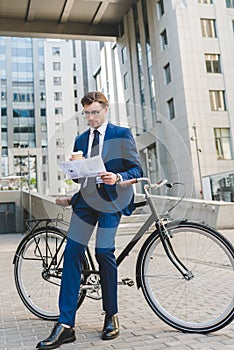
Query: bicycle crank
{"type": "Point", "coordinates": [93, 287]}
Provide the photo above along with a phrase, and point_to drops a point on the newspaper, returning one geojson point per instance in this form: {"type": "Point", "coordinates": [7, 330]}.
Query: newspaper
{"type": "Point", "coordinates": [89, 167]}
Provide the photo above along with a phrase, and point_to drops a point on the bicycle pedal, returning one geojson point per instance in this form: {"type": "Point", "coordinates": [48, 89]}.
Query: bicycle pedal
{"type": "Point", "coordinates": [128, 282]}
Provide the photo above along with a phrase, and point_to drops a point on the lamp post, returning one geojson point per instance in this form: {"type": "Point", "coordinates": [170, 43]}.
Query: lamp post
{"type": "Point", "coordinates": [29, 189]}
{"type": "Point", "coordinates": [198, 151]}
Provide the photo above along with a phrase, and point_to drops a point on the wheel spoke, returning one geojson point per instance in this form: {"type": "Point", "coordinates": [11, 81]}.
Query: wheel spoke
{"type": "Point", "coordinates": [203, 303]}
{"type": "Point", "coordinates": [38, 271]}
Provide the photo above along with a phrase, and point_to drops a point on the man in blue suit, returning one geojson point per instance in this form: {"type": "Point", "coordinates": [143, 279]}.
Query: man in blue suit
{"type": "Point", "coordinates": [100, 201]}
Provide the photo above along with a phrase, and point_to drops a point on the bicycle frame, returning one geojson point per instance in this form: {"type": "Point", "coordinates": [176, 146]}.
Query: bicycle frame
{"type": "Point", "coordinates": [153, 218]}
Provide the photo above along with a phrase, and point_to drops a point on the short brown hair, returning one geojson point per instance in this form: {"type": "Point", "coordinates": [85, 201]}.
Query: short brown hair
{"type": "Point", "coordinates": [94, 96]}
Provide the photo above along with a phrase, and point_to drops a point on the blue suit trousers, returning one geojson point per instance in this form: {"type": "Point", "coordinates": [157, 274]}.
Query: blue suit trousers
{"type": "Point", "coordinates": [83, 221]}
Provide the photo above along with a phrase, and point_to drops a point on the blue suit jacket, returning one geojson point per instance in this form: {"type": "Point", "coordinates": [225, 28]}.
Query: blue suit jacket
{"type": "Point", "coordinates": [119, 156]}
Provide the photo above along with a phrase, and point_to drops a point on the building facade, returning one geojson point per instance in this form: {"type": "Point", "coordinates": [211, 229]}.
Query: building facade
{"type": "Point", "coordinates": [172, 70]}
{"type": "Point", "coordinates": [42, 82]}
{"type": "Point", "coordinates": [169, 77]}
{"type": "Point", "coordinates": [23, 108]}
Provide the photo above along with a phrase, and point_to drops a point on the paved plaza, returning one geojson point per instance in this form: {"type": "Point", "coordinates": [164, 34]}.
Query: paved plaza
{"type": "Point", "coordinates": [140, 327]}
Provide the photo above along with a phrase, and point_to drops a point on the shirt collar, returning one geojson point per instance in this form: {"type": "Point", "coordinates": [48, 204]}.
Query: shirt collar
{"type": "Point", "coordinates": [101, 129]}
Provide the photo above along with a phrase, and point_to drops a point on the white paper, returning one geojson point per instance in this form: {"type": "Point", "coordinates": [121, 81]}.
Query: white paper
{"type": "Point", "coordinates": [89, 167]}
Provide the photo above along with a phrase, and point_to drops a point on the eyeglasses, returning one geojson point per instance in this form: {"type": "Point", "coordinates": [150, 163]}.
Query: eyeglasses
{"type": "Point", "coordinates": [93, 113]}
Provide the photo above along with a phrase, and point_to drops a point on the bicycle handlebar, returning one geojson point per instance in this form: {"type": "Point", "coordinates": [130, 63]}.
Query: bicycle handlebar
{"type": "Point", "coordinates": [159, 184]}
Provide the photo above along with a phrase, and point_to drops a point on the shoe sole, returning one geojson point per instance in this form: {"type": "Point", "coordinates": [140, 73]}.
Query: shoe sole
{"type": "Point", "coordinates": [66, 341]}
{"type": "Point", "coordinates": [69, 340]}
{"type": "Point", "coordinates": [110, 338]}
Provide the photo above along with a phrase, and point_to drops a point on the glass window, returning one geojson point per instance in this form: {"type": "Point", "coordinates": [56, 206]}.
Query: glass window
{"type": "Point", "coordinates": [43, 112]}
{"type": "Point", "coordinates": [160, 5]}
{"type": "Point", "coordinates": [56, 66]}
{"type": "Point", "coordinates": [171, 109]}
{"type": "Point", "coordinates": [125, 78]}
{"type": "Point", "coordinates": [58, 111]}
{"type": "Point", "coordinates": [57, 81]}
{"type": "Point", "coordinates": [124, 54]}
{"type": "Point", "coordinates": [164, 41]}
{"type": "Point", "coordinates": [59, 127]}
{"type": "Point", "coordinates": [217, 100]}
{"type": "Point", "coordinates": [208, 28]}
{"type": "Point", "coordinates": [205, 1]}
{"type": "Point", "coordinates": [230, 3]}
{"type": "Point", "coordinates": [140, 52]}
{"type": "Point", "coordinates": [58, 96]}
{"type": "Point", "coordinates": [223, 143]}
{"type": "Point", "coordinates": [3, 112]}
{"type": "Point", "coordinates": [59, 142]}
{"type": "Point", "coordinates": [60, 158]}
{"type": "Point", "coordinates": [56, 51]}
{"type": "Point", "coordinates": [23, 113]}
{"type": "Point", "coordinates": [2, 49]}
{"type": "Point", "coordinates": [43, 127]}
{"type": "Point", "coordinates": [167, 73]}
{"type": "Point", "coordinates": [22, 67]}
{"type": "Point", "coordinates": [128, 107]}
{"type": "Point", "coordinates": [42, 96]}
{"type": "Point", "coordinates": [3, 65]}
{"type": "Point", "coordinates": [4, 151]}
{"type": "Point", "coordinates": [24, 129]}
{"type": "Point", "coordinates": [41, 51]}
{"type": "Point", "coordinates": [21, 52]}
{"type": "Point", "coordinates": [17, 97]}
{"type": "Point", "coordinates": [3, 96]}
{"type": "Point", "coordinates": [213, 63]}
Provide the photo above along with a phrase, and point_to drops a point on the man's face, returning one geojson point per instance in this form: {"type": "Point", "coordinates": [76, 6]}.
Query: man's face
{"type": "Point", "coordinates": [95, 114]}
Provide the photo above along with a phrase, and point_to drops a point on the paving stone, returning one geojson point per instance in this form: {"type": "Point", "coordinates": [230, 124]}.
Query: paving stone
{"type": "Point", "coordinates": [140, 328]}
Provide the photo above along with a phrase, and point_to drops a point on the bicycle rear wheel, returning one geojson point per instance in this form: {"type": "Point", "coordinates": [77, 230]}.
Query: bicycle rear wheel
{"type": "Point", "coordinates": [38, 271]}
{"type": "Point", "coordinates": [202, 304]}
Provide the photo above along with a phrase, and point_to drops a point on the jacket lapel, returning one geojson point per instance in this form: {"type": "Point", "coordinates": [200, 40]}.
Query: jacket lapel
{"type": "Point", "coordinates": [84, 142]}
{"type": "Point", "coordinates": [109, 134]}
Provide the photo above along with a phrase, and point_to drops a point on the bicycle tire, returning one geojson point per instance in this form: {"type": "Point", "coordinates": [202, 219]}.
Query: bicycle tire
{"type": "Point", "coordinates": [38, 286]}
{"type": "Point", "coordinates": [203, 304]}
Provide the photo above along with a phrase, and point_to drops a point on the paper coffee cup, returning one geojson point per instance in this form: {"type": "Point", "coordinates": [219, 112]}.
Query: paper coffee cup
{"type": "Point", "coordinates": [77, 155]}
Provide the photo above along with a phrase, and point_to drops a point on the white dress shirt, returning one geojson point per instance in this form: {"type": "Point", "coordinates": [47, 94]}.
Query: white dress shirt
{"type": "Point", "coordinates": [102, 131]}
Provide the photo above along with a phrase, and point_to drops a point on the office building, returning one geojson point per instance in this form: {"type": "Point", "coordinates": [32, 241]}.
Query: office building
{"type": "Point", "coordinates": [174, 74]}
{"type": "Point", "coordinates": [41, 85]}
{"type": "Point", "coordinates": [169, 77]}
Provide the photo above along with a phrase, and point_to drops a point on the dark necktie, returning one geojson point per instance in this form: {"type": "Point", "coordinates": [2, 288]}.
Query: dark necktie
{"type": "Point", "coordinates": [95, 144]}
{"type": "Point", "coordinates": [91, 182]}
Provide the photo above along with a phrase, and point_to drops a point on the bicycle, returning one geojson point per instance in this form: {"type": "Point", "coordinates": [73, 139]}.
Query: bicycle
{"type": "Point", "coordinates": [185, 270]}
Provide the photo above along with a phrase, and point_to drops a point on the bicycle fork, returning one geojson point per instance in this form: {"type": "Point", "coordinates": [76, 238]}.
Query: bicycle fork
{"type": "Point", "coordinates": [165, 237]}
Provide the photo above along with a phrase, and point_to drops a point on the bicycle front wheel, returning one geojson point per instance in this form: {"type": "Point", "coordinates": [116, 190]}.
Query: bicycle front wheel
{"type": "Point", "coordinates": [38, 271]}
{"type": "Point", "coordinates": [203, 304]}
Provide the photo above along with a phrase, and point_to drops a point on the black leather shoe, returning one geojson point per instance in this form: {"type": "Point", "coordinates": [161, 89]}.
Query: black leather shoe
{"type": "Point", "coordinates": [111, 327]}
{"type": "Point", "coordinates": [59, 335]}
